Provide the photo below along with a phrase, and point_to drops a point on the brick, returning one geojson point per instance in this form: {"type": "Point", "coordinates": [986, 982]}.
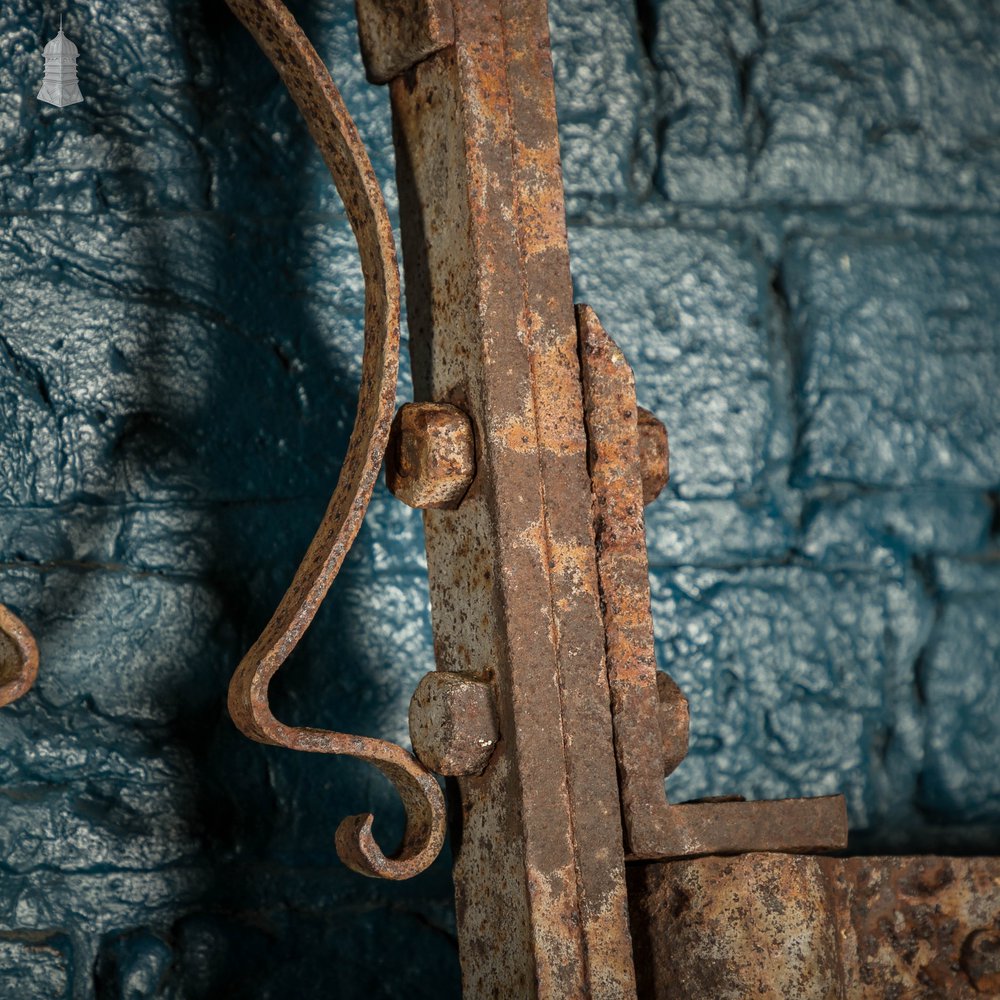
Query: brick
{"type": "Point", "coordinates": [603, 89]}
{"type": "Point", "coordinates": [170, 622]}
{"type": "Point", "coordinates": [35, 965]}
{"type": "Point", "coordinates": [704, 52]}
{"type": "Point", "coordinates": [874, 101]}
{"type": "Point", "coordinates": [792, 676]}
{"type": "Point", "coordinates": [694, 337]}
{"type": "Point", "coordinates": [848, 530]}
{"type": "Point", "coordinates": [716, 532]}
{"type": "Point", "coordinates": [960, 682]}
{"type": "Point", "coordinates": [899, 342]}
{"type": "Point", "coordinates": [824, 104]}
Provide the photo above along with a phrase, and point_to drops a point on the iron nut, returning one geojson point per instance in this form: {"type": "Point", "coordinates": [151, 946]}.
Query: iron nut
{"type": "Point", "coordinates": [654, 455]}
{"type": "Point", "coordinates": [453, 724]}
{"type": "Point", "coordinates": [18, 657]}
{"type": "Point", "coordinates": [431, 458]}
{"type": "Point", "coordinates": [675, 720]}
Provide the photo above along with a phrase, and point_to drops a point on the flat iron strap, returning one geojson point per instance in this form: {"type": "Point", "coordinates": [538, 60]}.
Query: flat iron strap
{"type": "Point", "coordinates": [309, 83]}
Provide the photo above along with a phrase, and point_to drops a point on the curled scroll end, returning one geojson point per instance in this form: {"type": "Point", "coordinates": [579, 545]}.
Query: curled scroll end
{"type": "Point", "coordinates": [18, 657]}
{"type": "Point", "coordinates": [422, 841]}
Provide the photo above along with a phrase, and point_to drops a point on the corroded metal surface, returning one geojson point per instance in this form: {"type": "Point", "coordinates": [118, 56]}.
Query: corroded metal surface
{"type": "Point", "coordinates": [777, 927]}
{"type": "Point", "coordinates": [18, 657]}
{"type": "Point", "coordinates": [431, 459]}
{"type": "Point", "coordinates": [720, 928]}
{"type": "Point", "coordinates": [654, 455]}
{"type": "Point", "coordinates": [334, 132]}
{"type": "Point", "coordinates": [654, 829]}
{"type": "Point", "coordinates": [539, 864]}
{"type": "Point", "coordinates": [397, 34]}
{"type": "Point", "coordinates": [453, 724]}
{"type": "Point", "coordinates": [675, 721]}
{"type": "Point", "coordinates": [616, 482]}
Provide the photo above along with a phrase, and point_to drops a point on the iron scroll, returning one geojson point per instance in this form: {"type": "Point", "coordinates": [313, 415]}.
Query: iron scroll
{"type": "Point", "coordinates": [336, 135]}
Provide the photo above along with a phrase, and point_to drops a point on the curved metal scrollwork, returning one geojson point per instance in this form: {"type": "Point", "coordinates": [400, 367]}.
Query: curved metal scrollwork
{"type": "Point", "coordinates": [18, 657]}
{"type": "Point", "coordinates": [307, 80]}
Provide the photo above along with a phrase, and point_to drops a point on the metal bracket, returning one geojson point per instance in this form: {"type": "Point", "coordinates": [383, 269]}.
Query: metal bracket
{"type": "Point", "coordinates": [433, 466]}
{"type": "Point", "coordinates": [653, 828]}
{"type": "Point", "coordinates": [532, 462]}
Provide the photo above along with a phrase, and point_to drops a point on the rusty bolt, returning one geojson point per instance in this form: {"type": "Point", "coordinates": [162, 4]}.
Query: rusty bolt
{"type": "Point", "coordinates": [981, 960]}
{"type": "Point", "coordinates": [453, 724]}
{"type": "Point", "coordinates": [431, 458]}
{"type": "Point", "coordinates": [654, 455]}
{"type": "Point", "coordinates": [675, 721]}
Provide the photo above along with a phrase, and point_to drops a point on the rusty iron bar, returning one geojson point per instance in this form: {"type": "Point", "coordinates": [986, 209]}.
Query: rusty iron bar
{"type": "Point", "coordinates": [775, 926]}
{"type": "Point", "coordinates": [331, 126]}
{"type": "Point", "coordinates": [18, 657]}
{"type": "Point", "coordinates": [538, 855]}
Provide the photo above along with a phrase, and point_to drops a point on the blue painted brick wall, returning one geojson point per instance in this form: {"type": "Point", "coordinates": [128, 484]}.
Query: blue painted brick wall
{"type": "Point", "coordinates": [787, 212]}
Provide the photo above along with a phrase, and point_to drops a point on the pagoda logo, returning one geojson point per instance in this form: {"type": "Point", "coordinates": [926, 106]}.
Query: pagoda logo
{"type": "Point", "coordinates": [60, 86]}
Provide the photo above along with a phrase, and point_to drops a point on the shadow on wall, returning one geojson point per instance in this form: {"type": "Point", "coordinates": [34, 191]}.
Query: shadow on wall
{"type": "Point", "coordinates": [200, 403]}
{"type": "Point", "coordinates": [259, 443]}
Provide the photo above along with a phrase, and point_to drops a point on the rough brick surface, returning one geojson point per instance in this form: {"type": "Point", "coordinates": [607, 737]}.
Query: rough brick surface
{"type": "Point", "coordinates": [696, 342]}
{"type": "Point", "coordinates": [787, 213]}
{"type": "Point", "coordinates": [897, 368]}
{"type": "Point", "coordinates": [819, 103]}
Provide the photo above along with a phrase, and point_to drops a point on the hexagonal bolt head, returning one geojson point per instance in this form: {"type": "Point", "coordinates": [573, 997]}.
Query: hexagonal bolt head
{"type": "Point", "coordinates": [654, 455]}
{"type": "Point", "coordinates": [453, 724]}
{"type": "Point", "coordinates": [675, 721]}
{"type": "Point", "coordinates": [431, 458]}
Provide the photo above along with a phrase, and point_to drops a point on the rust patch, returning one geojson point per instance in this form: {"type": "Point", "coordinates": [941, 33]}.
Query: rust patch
{"type": "Point", "coordinates": [774, 926]}
{"type": "Point", "coordinates": [18, 657]}
{"type": "Point", "coordinates": [397, 34]}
